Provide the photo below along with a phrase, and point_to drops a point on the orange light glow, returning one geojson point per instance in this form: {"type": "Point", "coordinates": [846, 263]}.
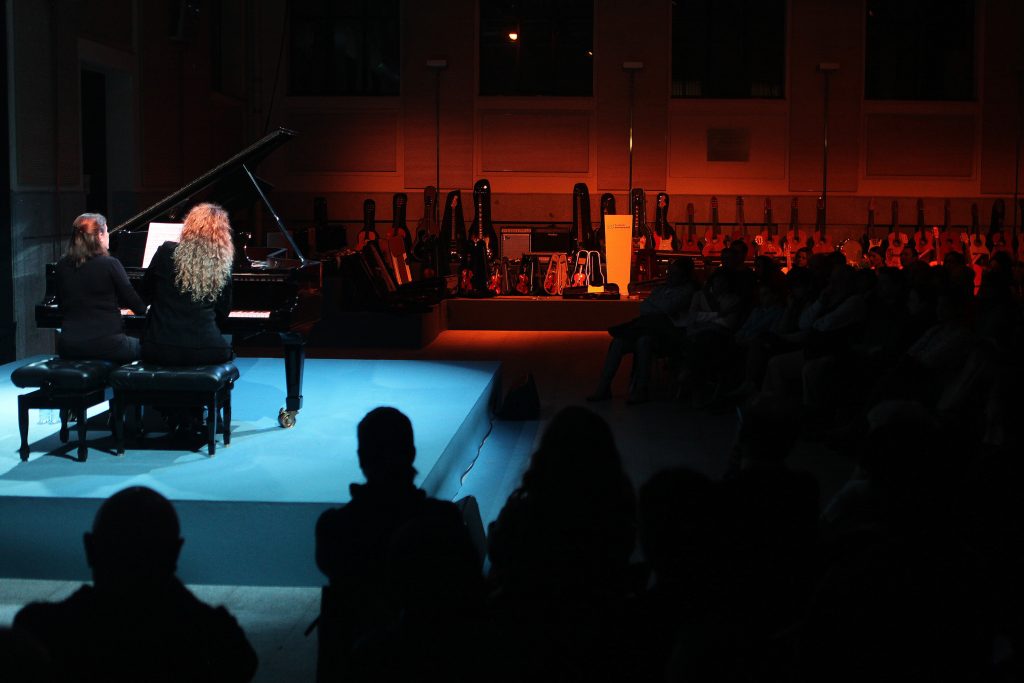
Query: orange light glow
{"type": "Point", "coordinates": [513, 36]}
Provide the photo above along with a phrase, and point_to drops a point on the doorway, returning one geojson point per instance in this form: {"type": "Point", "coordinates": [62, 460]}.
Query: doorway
{"type": "Point", "coordinates": [94, 140]}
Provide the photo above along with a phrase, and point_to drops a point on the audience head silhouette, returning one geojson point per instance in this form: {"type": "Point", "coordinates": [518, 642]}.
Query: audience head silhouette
{"type": "Point", "coordinates": [577, 451]}
{"type": "Point", "coordinates": [386, 447]}
{"type": "Point", "coordinates": [680, 271]}
{"type": "Point", "coordinates": [135, 539]}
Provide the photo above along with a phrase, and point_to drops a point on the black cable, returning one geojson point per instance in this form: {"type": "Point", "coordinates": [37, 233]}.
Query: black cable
{"type": "Point", "coordinates": [469, 468]}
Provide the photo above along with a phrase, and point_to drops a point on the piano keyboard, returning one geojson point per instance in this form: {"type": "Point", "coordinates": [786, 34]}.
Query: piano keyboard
{"type": "Point", "coordinates": [233, 314]}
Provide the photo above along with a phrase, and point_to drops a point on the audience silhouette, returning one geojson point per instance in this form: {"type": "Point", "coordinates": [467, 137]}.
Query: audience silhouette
{"type": "Point", "coordinates": [560, 552]}
{"type": "Point", "coordinates": [23, 659]}
{"type": "Point", "coordinates": [662, 313]}
{"type": "Point", "coordinates": [911, 572]}
{"type": "Point", "coordinates": [137, 622]}
{"type": "Point", "coordinates": [363, 599]}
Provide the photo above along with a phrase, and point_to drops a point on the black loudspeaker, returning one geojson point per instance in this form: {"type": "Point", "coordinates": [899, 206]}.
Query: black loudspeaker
{"type": "Point", "coordinates": [522, 402]}
{"type": "Point", "coordinates": [515, 242]}
{"type": "Point", "coordinates": [551, 239]}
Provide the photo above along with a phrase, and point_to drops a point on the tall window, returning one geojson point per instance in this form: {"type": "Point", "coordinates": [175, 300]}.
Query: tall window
{"type": "Point", "coordinates": [536, 47]}
{"type": "Point", "coordinates": [344, 47]}
{"type": "Point", "coordinates": [729, 48]}
{"type": "Point", "coordinates": [919, 50]}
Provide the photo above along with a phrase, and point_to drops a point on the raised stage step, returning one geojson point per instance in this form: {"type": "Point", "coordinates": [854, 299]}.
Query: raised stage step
{"type": "Point", "coordinates": [538, 313]}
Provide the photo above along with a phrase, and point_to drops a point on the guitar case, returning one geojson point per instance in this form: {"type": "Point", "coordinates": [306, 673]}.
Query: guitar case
{"type": "Point", "coordinates": [499, 280]}
{"type": "Point", "coordinates": [557, 274]}
{"type": "Point", "coordinates": [597, 286]}
{"type": "Point", "coordinates": [525, 270]}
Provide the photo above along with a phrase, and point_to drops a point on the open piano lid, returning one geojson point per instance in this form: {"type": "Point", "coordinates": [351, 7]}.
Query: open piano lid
{"type": "Point", "coordinates": [221, 183]}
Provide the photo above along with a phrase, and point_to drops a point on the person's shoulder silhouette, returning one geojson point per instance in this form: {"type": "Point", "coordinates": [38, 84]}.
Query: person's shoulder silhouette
{"type": "Point", "coordinates": [138, 621]}
{"type": "Point", "coordinates": [352, 540]}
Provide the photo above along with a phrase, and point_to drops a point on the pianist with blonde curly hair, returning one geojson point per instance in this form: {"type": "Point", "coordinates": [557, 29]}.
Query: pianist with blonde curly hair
{"type": "Point", "coordinates": [188, 284]}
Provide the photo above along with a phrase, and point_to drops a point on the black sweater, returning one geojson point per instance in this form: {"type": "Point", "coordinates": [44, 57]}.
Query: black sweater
{"type": "Point", "coordinates": [174, 319]}
{"type": "Point", "coordinates": [91, 297]}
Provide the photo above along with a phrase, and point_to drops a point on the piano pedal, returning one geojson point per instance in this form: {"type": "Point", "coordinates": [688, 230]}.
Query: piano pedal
{"type": "Point", "coordinates": [286, 418]}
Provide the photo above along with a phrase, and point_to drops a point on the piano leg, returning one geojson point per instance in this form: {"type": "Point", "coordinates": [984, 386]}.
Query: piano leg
{"type": "Point", "coordinates": [294, 360]}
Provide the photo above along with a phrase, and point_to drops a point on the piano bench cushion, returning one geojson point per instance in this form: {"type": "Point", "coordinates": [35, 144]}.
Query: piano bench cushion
{"type": "Point", "coordinates": [58, 374]}
{"type": "Point", "coordinates": [145, 377]}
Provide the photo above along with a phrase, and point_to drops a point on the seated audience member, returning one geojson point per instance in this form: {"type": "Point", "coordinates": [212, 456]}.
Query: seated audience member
{"type": "Point", "coordinates": [560, 552]}
{"type": "Point", "coordinates": [802, 258]}
{"type": "Point", "coordinates": [684, 612]}
{"type": "Point", "coordinates": [92, 288]}
{"type": "Point", "coordinates": [876, 258]}
{"type": "Point", "coordinates": [799, 293]}
{"type": "Point", "coordinates": [906, 588]}
{"type": "Point", "coordinates": [769, 528]}
{"type": "Point", "coordinates": [662, 313]}
{"type": "Point", "coordinates": [826, 328]}
{"type": "Point", "coordinates": [985, 391]}
{"type": "Point", "coordinates": [716, 314]}
{"type": "Point", "coordinates": [908, 255]}
{"type": "Point", "coordinates": [441, 632]}
{"type": "Point", "coordinates": [23, 660]}
{"type": "Point", "coordinates": [936, 357]}
{"type": "Point", "coordinates": [137, 622]}
{"type": "Point", "coordinates": [726, 370]}
{"type": "Point", "coordinates": [740, 249]}
{"type": "Point", "coordinates": [352, 542]}
{"type": "Point", "coordinates": [188, 285]}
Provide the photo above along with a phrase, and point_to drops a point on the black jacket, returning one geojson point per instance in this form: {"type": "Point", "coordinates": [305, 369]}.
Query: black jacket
{"type": "Point", "coordinates": [174, 319]}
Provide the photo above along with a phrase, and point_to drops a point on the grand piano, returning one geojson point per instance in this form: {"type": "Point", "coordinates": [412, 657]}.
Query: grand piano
{"type": "Point", "coordinates": [273, 290]}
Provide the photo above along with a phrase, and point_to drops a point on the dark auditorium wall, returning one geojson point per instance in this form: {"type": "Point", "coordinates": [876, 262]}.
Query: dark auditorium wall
{"type": "Point", "coordinates": [189, 83]}
{"type": "Point", "coordinates": [165, 120]}
{"type": "Point", "coordinates": [534, 149]}
{"type": "Point", "coordinates": [46, 180]}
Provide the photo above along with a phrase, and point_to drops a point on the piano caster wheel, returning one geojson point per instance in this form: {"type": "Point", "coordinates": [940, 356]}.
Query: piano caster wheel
{"type": "Point", "coordinates": [286, 418]}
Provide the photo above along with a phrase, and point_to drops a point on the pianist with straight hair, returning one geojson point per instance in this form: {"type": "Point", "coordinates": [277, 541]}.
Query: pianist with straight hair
{"type": "Point", "coordinates": [92, 288]}
{"type": "Point", "coordinates": [188, 285]}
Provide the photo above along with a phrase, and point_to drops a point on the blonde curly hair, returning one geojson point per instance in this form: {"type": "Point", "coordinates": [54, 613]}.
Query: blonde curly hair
{"type": "Point", "coordinates": [203, 258]}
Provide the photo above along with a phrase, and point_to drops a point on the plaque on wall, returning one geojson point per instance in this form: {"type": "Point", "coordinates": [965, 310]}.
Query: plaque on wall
{"type": "Point", "coordinates": [728, 144]}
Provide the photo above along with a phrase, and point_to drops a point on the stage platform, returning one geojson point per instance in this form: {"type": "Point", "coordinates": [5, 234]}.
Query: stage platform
{"type": "Point", "coordinates": [416, 330]}
{"type": "Point", "coordinates": [247, 514]}
{"type": "Point", "coordinates": [548, 313]}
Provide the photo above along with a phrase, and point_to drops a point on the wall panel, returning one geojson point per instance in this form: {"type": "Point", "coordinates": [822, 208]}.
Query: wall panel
{"type": "Point", "coordinates": [829, 32]}
{"type": "Point", "coordinates": [535, 142]}
{"type": "Point", "coordinates": [1002, 88]}
{"type": "Point", "coordinates": [345, 142]}
{"type": "Point", "coordinates": [919, 145]}
{"type": "Point", "coordinates": [688, 145]}
{"type": "Point", "coordinates": [424, 23]}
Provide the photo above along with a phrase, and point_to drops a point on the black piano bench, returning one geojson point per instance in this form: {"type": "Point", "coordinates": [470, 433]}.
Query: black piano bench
{"type": "Point", "coordinates": [71, 386]}
{"type": "Point", "coordinates": [193, 386]}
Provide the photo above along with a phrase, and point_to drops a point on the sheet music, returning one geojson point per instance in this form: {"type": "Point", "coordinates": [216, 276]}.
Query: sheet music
{"type": "Point", "coordinates": [157, 235]}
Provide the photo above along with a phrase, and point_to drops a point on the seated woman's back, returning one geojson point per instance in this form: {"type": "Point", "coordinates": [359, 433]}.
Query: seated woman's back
{"type": "Point", "coordinates": [92, 288]}
{"type": "Point", "coordinates": [189, 286]}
